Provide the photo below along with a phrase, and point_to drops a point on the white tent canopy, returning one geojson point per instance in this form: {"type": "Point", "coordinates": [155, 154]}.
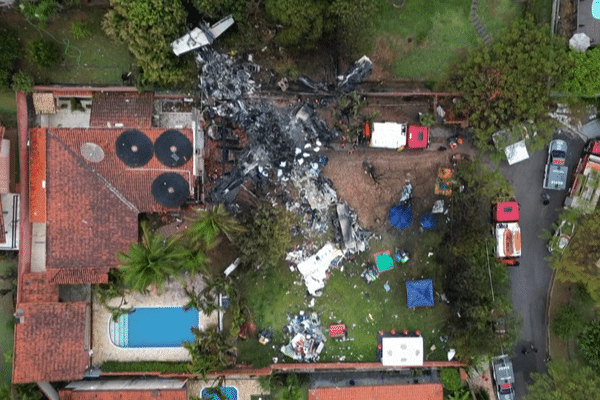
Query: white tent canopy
{"type": "Point", "coordinates": [580, 41]}
{"type": "Point", "coordinates": [388, 135]}
{"type": "Point", "coordinates": [402, 351]}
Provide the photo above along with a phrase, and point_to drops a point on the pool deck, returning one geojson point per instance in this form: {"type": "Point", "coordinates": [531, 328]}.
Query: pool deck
{"type": "Point", "coordinates": [172, 295]}
{"type": "Point", "coordinates": [586, 23]}
{"type": "Point", "coordinates": [246, 386]}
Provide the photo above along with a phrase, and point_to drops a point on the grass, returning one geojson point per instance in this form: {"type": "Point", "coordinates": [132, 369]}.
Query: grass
{"type": "Point", "coordinates": [424, 36]}
{"type": "Point", "coordinates": [6, 336]}
{"type": "Point", "coordinates": [366, 309]}
{"type": "Point", "coordinates": [93, 60]}
{"type": "Point", "coordinates": [8, 109]}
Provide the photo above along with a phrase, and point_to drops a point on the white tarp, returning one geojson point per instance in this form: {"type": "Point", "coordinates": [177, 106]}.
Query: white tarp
{"type": "Point", "coordinates": [314, 268]}
{"type": "Point", "coordinates": [389, 135]}
{"type": "Point", "coordinates": [516, 152]}
{"type": "Point", "coordinates": [402, 351]}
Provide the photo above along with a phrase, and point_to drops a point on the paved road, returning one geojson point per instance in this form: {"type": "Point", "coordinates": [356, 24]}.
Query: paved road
{"type": "Point", "coordinates": [531, 280]}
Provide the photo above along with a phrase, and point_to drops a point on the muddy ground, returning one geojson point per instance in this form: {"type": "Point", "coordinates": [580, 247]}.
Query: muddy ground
{"type": "Point", "coordinates": [372, 199]}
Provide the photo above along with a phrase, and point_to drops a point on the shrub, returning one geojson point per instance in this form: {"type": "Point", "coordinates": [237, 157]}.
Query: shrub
{"type": "Point", "coordinates": [39, 12]}
{"type": "Point", "coordinates": [567, 321]}
{"type": "Point", "coordinates": [589, 344]}
{"type": "Point", "coordinates": [43, 53]}
{"type": "Point", "coordinates": [451, 379]}
{"type": "Point", "coordinates": [10, 50]}
{"type": "Point", "coordinates": [80, 30]}
{"type": "Point", "coordinates": [23, 82]}
{"type": "Point", "coordinates": [145, 366]}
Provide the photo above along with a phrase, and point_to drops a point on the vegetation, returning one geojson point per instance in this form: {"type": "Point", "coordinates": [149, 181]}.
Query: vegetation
{"type": "Point", "coordinates": [284, 386]}
{"type": "Point", "coordinates": [451, 379]}
{"type": "Point", "coordinates": [43, 53]}
{"type": "Point", "coordinates": [145, 366]}
{"type": "Point", "coordinates": [267, 236]}
{"type": "Point", "coordinates": [567, 321]}
{"type": "Point", "coordinates": [155, 259]}
{"type": "Point", "coordinates": [28, 391]}
{"type": "Point", "coordinates": [39, 12]}
{"type": "Point", "coordinates": [211, 351]}
{"type": "Point", "coordinates": [8, 276]}
{"type": "Point", "coordinates": [510, 82]}
{"type": "Point", "coordinates": [475, 282]}
{"type": "Point", "coordinates": [10, 50]}
{"type": "Point", "coordinates": [147, 28]}
{"type": "Point", "coordinates": [207, 225]}
{"type": "Point", "coordinates": [577, 263]}
{"type": "Point", "coordinates": [22, 81]}
{"type": "Point", "coordinates": [585, 81]}
{"type": "Point", "coordinates": [80, 30]}
{"type": "Point", "coordinates": [589, 344]}
{"type": "Point", "coordinates": [564, 380]}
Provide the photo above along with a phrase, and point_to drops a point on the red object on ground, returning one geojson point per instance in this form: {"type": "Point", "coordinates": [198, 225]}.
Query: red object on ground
{"type": "Point", "coordinates": [418, 137]}
{"type": "Point", "coordinates": [418, 332]}
{"type": "Point", "coordinates": [337, 330]}
{"type": "Point", "coordinates": [507, 211]}
{"type": "Point", "coordinates": [406, 332]}
{"type": "Point", "coordinates": [367, 131]}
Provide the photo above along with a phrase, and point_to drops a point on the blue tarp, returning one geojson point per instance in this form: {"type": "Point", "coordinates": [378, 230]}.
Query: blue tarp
{"type": "Point", "coordinates": [428, 221]}
{"type": "Point", "coordinates": [401, 216]}
{"type": "Point", "coordinates": [420, 293]}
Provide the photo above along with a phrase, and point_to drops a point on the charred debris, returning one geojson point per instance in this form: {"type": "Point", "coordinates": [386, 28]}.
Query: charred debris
{"type": "Point", "coordinates": [257, 149]}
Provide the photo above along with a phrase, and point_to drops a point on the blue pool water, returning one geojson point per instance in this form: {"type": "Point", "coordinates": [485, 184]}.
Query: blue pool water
{"type": "Point", "coordinates": [229, 391]}
{"type": "Point", "coordinates": [596, 9]}
{"type": "Point", "coordinates": [154, 327]}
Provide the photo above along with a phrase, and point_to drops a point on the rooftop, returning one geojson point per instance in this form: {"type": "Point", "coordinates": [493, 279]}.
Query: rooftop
{"type": "Point", "coordinates": [126, 109]}
{"type": "Point", "coordinates": [425, 391]}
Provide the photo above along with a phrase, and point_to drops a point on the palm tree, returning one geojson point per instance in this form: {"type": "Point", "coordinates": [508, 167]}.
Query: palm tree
{"type": "Point", "coordinates": [153, 260]}
{"type": "Point", "coordinates": [210, 351]}
{"type": "Point", "coordinates": [206, 226]}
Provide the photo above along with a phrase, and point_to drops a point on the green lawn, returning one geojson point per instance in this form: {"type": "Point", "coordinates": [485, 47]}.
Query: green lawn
{"type": "Point", "coordinates": [425, 35]}
{"type": "Point", "coordinates": [8, 109]}
{"type": "Point", "coordinates": [92, 60]}
{"type": "Point", "coordinates": [6, 337]}
{"type": "Point", "coordinates": [346, 297]}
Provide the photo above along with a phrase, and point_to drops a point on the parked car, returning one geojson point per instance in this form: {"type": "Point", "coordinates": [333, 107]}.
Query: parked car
{"type": "Point", "coordinates": [556, 173]}
{"type": "Point", "coordinates": [504, 378]}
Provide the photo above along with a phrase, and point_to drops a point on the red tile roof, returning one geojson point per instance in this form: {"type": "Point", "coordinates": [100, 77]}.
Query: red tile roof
{"type": "Point", "coordinates": [72, 276]}
{"type": "Point", "coordinates": [423, 391]}
{"type": "Point", "coordinates": [88, 221]}
{"type": "Point", "coordinates": [133, 183]}
{"type": "Point", "coordinates": [37, 173]}
{"type": "Point", "coordinates": [36, 289]}
{"type": "Point", "coordinates": [72, 93]}
{"type": "Point", "coordinates": [173, 394]}
{"type": "Point", "coordinates": [128, 108]}
{"type": "Point", "coordinates": [51, 342]}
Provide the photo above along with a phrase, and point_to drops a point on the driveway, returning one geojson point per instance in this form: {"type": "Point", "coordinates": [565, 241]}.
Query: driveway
{"type": "Point", "coordinates": [530, 281]}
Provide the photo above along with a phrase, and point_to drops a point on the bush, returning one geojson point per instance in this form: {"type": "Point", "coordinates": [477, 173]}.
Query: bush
{"type": "Point", "coordinates": [451, 379]}
{"type": "Point", "coordinates": [43, 53]}
{"type": "Point", "coordinates": [80, 30]}
{"type": "Point", "coordinates": [567, 321]}
{"type": "Point", "coordinates": [145, 366]}
{"type": "Point", "coordinates": [482, 394]}
{"type": "Point", "coordinates": [10, 50]}
{"type": "Point", "coordinates": [22, 81]}
{"type": "Point", "coordinates": [39, 12]}
{"type": "Point", "coordinates": [589, 344]}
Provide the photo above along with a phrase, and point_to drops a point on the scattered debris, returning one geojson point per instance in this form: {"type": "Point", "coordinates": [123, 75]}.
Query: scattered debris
{"type": "Point", "coordinates": [314, 268]}
{"type": "Point", "coordinates": [307, 338]}
{"type": "Point", "coordinates": [203, 35]}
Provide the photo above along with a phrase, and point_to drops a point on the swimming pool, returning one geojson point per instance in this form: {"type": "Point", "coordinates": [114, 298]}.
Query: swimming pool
{"type": "Point", "coordinates": [596, 9]}
{"type": "Point", "coordinates": [230, 393]}
{"type": "Point", "coordinates": [154, 327]}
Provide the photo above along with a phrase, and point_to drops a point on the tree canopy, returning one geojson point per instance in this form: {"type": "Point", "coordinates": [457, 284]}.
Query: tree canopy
{"type": "Point", "coordinates": [578, 262]}
{"type": "Point", "coordinates": [148, 27]}
{"type": "Point", "coordinates": [564, 380]}
{"type": "Point", "coordinates": [510, 82]}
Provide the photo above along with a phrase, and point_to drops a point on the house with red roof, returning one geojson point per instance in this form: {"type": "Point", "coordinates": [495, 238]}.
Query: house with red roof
{"type": "Point", "coordinates": [423, 391]}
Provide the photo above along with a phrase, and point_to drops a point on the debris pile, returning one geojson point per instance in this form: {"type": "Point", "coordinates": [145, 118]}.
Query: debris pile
{"type": "Point", "coordinates": [314, 268]}
{"type": "Point", "coordinates": [307, 339]}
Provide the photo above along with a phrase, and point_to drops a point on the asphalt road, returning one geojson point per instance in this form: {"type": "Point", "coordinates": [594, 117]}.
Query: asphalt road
{"type": "Point", "coordinates": [530, 281]}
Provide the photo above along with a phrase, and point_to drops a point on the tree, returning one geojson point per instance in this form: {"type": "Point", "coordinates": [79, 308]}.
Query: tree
{"type": "Point", "coordinates": [39, 12]}
{"type": "Point", "coordinates": [220, 8]}
{"type": "Point", "coordinates": [43, 53]}
{"type": "Point", "coordinates": [19, 392]}
{"type": "Point", "coordinates": [206, 226]}
{"type": "Point", "coordinates": [267, 236]}
{"type": "Point", "coordinates": [210, 351]}
{"type": "Point", "coordinates": [564, 380]}
{"type": "Point", "coordinates": [148, 27]}
{"type": "Point", "coordinates": [10, 50]}
{"type": "Point", "coordinates": [303, 21]}
{"type": "Point", "coordinates": [511, 81]}
{"type": "Point", "coordinates": [577, 263]}
{"type": "Point", "coordinates": [451, 379]}
{"type": "Point", "coordinates": [8, 275]}
{"type": "Point", "coordinates": [155, 259]}
{"type": "Point", "coordinates": [589, 344]}
{"type": "Point", "coordinates": [585, 80]}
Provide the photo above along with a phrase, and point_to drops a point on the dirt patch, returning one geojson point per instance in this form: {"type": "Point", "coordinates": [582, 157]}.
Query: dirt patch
{"type": "Point", "coordinates": [372, 199]}
{"type": "Point", "coordinates": [567, 22]}
{"type": "Point", "coordinates": [384, 57]}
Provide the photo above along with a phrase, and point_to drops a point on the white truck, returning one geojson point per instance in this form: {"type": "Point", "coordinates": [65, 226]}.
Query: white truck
{"type": "Point", "coordinates": [504, 378]}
